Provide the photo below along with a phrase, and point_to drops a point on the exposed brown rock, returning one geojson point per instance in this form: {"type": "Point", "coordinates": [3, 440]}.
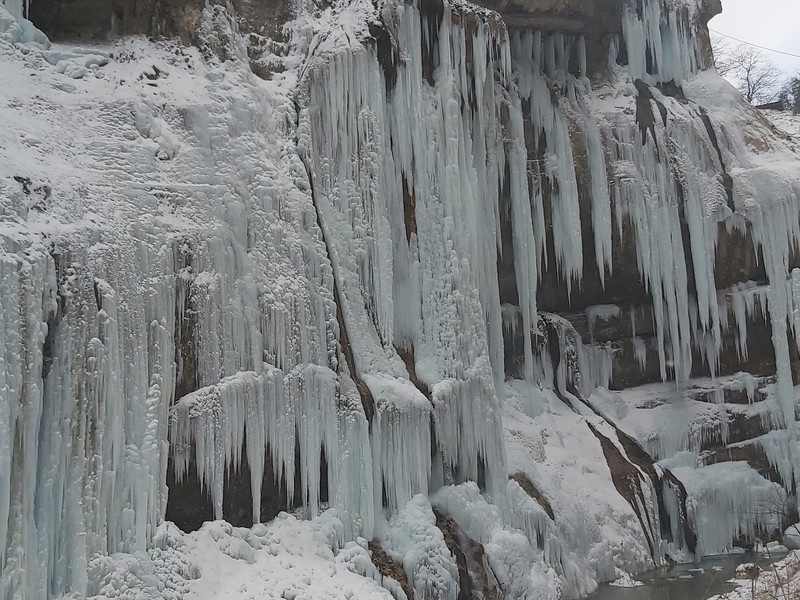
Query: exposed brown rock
{"type": "Point", "coordinates": [628, 481]}
{"type": "Point", "coordinates": [107, 19]}
{"type": "Point", "coordinates": [627, 372]}
{"type": "Point", "coordinates": [475, 577]}
{"type": "Point", "coordinates": [388, 57]}
{"type": "Point", "coordinates": [644, 110]}
{"type": "Point", "coordinates": [530, 488]}
{"type": "Point", "coordinates": [753, 454]}
{"type": "Point", "coordinates": [741, 427]}
{"type": "Point", "coordinates": [408, 359]}
{"type": "Point", "coordinates": [409, 211]}
{"type": "Point", "coordinates": [585, 16]}
{"type": "Point", "coordinates": [389, 568]}
{"type": "Point", "coordinates": [736, 258]}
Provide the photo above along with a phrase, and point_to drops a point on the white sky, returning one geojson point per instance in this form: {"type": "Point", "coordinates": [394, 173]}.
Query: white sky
{"type": "Point", "coordinates": [771, 23]}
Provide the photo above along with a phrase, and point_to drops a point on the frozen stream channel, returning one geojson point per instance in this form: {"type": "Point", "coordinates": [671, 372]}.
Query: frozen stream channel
{"type": "Point", "coordinates": [693, 581]}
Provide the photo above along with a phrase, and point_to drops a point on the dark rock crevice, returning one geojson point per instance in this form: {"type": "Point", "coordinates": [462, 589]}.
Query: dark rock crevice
{"type": "Point", "coordinates": [476, 581]}
{"type": "Point", "coordinates": [367, 400]}
{"type": "Point", "coordinates": [409, 210]}
{"type": "Point", "coordinates": [388, 54]}
{"type": "Point", "coordinates": [530, 488]}
{"type": "Point", "coordinates": [53, 318]}
{"type": "Point", "coordinates": [186, 377]}
{"type": "Point", "coordinates": [389, 568]}
{"type": "Point", "coordinates": [644, 111]}
{"type": "Point", "coordinates": [432, 14]}
{"type": "Point", "coordinates": [727, 180]}
{"type": "Point", "coordinates": [407, 356]}
{"type": "Point", "coordinates": [628, 481]}
{"type": "Point", "coordinates": [684, 525]}
{"type": "Point", "coordinates": [189, 504]}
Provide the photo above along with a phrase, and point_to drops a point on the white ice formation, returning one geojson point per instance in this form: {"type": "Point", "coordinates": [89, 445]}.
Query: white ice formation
{"type": "Point", "coordinates": [310, 276]}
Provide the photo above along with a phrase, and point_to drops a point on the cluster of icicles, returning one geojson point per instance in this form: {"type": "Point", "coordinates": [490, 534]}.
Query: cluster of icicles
{"type": "Point", "coordinates": [88, 392]}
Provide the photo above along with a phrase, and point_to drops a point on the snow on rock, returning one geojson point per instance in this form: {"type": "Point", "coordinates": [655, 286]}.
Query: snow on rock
{"type": "Point", "coordinates": [555, 448]}
{"type": "Point", "coordinates": [726, 501]}
{"type": "Point", "coordinates": [515, 559]}
{"type": "Point", "coordinates": [289, 558]}
{"type": "Point", "coordinates": [779, 580]}
{"type": "Point", "coordinates": [164, 571]}
{"type": "Point", "coordinates": [626, 581]}
{"type": "Point", "coordinates": [729, 501]}
{"type": "Point", "coordinates": [791, 538]}
{"type": "Point", "coordinates": [413, 539]}
{"type": "Point", "coordinates": [785, 120]}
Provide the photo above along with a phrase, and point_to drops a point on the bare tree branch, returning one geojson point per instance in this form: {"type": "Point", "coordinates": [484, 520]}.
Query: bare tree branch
{"type": "Point", "coordinates": [748, 69]}
{"type": "Point", "coordinates": [721, 52]}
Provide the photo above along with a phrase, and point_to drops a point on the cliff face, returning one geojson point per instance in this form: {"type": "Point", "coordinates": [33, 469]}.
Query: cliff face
{"type": "Point", "coordinates": [95, 20]}
{"type": "Point", "coordinates": [597, 16]}
{"type": "Point", "coordinates": [506, 290]}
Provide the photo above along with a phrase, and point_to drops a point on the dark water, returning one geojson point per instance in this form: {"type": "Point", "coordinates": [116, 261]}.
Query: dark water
{"type": "Point", "coordinates": [694, 581]}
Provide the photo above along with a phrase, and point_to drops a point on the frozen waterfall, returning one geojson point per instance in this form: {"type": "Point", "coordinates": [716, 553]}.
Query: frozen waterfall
{"type": "Point", "coordinates": [334, 278]}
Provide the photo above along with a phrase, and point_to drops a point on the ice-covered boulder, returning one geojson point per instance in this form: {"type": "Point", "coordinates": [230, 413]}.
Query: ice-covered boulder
{"type": "Point", "coordinates": [10, 30]}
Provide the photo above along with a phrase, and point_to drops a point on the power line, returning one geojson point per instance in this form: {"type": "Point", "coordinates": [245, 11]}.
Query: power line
{"type": "Point", "coordinates": [754, 45]}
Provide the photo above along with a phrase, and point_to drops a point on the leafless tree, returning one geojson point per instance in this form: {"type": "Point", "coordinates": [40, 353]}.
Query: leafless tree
{"type": "Point", "coordinates": [749, 69]}
{"type": "Point", "coordinates": [721, 51]}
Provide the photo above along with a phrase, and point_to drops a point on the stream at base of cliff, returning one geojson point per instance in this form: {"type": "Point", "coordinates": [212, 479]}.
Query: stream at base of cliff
{"type": "Point", "coordinates": [691, 581]}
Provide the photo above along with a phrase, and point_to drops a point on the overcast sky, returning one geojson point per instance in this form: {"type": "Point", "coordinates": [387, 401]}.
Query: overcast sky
{"type": "Point", "coordinates": [771, 23]}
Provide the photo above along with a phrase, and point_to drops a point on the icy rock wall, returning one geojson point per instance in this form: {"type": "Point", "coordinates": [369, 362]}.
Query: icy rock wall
{"type": "Point", "coordinates": [439, 150]}
{"type": "Point", "coordinates": [451, 104]}
{"type": "Point", "coordinates": [628, 175]}
{"type": "Point", "coordinates": [442, 116]}
{"type": "Point", "coordinates": [85, 412]}
{"type": "Point", "coordinates": [669, 180]}
{"type": "Point", "coordinates": [84, 415]}
{"type": "Point", "coordinates": [407, 179]}
{"type": "Point", "coordinates": [180, 266]}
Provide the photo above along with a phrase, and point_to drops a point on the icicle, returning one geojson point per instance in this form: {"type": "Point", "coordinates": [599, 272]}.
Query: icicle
{"type": "Point", "coordinates": [557, 164]}
{"type": "Point", "coordinates": [400, 441]}
{"type": "Point", "coordinates": [639, 352]}
{"type": "Point", "coordinates": [17, 8]}
{"type": "Point", "coordinates": [275, 411]}
{"type": "Point", "coordinates": [420, 164]}
{"type": "Point", "coordinates": [601, 202]}
{"type": "Point", "coordinates": [727, 501]}
{"type": "Point", "coordinates": [659, 41]}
